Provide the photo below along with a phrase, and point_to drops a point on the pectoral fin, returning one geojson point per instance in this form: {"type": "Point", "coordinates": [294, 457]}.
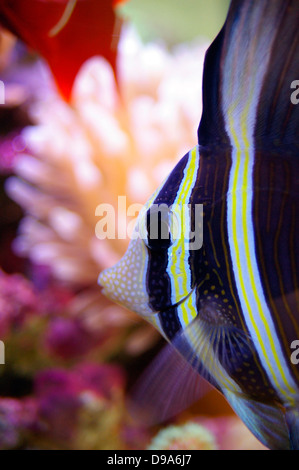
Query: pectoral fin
{"type": "Point", "coordinates": [168, 386]}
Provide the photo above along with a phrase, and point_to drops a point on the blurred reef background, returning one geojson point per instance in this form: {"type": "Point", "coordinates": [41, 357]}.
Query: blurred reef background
{"type": "Point", "coordinates": [87, 119]}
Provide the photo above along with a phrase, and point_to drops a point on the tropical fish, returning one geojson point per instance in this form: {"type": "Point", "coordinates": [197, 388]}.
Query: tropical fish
{"type": "Point", "coordinates": [231, 306]}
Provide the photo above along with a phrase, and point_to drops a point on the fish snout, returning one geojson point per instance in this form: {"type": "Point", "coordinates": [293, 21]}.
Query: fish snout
{"type": "Point", "coordinates": [125, 284]}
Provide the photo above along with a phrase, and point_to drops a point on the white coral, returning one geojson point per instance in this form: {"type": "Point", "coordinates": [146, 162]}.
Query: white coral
{"type": "Point", "coordinates": [112, 140]}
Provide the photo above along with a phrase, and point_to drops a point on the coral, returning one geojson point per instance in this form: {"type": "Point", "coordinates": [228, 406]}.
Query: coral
{"type": "Point", "coordinates": [111, 141]}
{"type": "Point", "coordinates": [190, 436]}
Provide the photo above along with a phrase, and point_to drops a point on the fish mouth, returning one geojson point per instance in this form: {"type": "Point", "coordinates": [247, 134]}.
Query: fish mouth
{"type": "Point", "coordinates": [125, 285]}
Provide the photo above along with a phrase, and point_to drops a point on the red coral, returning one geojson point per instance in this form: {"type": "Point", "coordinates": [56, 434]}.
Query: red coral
{"type": "Point", "coordinates": [65, 32]}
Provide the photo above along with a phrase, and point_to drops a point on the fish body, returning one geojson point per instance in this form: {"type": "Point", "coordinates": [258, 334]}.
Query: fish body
{"type": "Point", "coordinates": [231, 305]}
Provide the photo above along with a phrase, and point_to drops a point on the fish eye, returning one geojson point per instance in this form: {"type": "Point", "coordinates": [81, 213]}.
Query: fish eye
{"type": "Point", "coordinates": [158, 225]}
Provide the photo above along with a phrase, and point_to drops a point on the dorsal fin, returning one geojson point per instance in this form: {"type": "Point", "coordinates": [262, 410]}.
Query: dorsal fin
{"type": "Point", "coordinates": [250, 76]}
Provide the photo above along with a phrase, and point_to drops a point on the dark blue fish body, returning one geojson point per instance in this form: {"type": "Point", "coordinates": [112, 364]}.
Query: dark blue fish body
{"type": "Point", "coordinates": [231, 307]}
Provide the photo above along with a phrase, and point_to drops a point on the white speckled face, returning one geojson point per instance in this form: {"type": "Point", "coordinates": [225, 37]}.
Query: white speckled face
{"type": "Point", "coordinates": [125, 282]}
{"type": "Point", "coordinates": [162, 260]}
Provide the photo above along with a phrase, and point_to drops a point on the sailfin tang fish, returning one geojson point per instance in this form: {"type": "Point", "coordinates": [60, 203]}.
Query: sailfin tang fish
{"type": "Point", "coordinates": [230, 306]}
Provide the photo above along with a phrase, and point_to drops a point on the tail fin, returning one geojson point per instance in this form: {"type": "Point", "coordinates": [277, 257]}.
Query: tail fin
{"type": "Point", "coordinates": [250, 78]}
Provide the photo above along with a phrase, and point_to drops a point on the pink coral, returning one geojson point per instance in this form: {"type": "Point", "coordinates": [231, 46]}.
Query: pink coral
{"type": "Point", "coordinates": [16, 419]}
{"type": "Point", "coordinates": [17, 301]}
{"type": "Point", "coordinates": [70, 402]}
